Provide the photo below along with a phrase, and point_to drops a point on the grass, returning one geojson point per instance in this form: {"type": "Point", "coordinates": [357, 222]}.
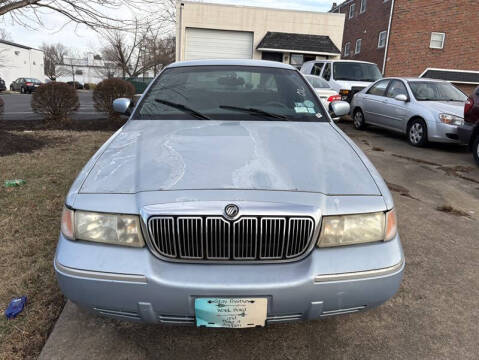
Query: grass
{"type": "Point", "coordinates": [29, 226]}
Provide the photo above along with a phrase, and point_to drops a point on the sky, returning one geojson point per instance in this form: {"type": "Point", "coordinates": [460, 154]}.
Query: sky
{"type": "Point", "coordinates": [82, 39]}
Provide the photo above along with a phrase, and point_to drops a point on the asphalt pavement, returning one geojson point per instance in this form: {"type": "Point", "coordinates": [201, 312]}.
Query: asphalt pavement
{"type": "Point", "coordinates": [435, 314]}
{"type": "Point", "coordinates": [17, 107]}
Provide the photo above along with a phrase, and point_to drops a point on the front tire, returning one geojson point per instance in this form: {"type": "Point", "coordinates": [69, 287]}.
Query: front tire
{"type": "Point", "coordinates": [417, 133]}
{"type": "Point", "coordinates": [475, 149]}
{"type": "Point", "coordinates": [358, 120]}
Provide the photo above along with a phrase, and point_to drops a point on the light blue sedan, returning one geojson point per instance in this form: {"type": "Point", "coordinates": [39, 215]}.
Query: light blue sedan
{"type": "Point", "coordinates": [423, 109]}
{"type": "Point", "coordinates": [229, 199]}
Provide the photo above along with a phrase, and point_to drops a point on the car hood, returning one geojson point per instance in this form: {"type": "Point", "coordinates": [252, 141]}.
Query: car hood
{"type": "Point", "coordinates": [347, 85]}
{"type": "Point", "coordinates": [449, 107]}
{"type": "Point", "coordinates": [151, 155]}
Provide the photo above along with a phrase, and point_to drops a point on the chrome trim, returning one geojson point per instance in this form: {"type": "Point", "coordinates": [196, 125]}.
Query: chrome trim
{"type": "Point", "coordinates": [360, 274]}
{"type": "Point", "coordinates": [237, 227]}
{"type": "Point", "coordinates": [98, 275]}
{"type": "Point", "coordinates": [216, 209]}
{"type": "Point", "coordinates": [266, 244]}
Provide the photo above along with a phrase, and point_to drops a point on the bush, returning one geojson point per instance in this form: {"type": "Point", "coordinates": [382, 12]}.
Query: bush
{"type": "Point", "coordinates": [109, 90]}
{"type": "Point", "coordinates": [89, 86]}
{"type": "Point", "coordinates": [56, 102]}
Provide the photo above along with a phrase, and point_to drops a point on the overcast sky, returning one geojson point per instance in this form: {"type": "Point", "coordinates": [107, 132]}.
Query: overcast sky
{"type": "Point", "coordinates": [83, 39]}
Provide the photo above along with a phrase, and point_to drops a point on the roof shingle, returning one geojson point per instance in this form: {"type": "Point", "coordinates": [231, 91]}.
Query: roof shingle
{"type": "Point", "coordinates": [298, 42]}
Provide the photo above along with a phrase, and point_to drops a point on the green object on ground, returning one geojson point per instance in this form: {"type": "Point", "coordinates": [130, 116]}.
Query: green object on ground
{"type": "Point", "coordinates": [16, 182]}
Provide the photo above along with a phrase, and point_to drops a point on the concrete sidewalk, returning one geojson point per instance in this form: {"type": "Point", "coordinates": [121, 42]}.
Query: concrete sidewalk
{"type": "Point", "coordinates": [433, 316]}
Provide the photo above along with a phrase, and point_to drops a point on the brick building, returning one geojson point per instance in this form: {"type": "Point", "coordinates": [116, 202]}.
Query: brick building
{"type": "Point", "coordinates": [427, 38]}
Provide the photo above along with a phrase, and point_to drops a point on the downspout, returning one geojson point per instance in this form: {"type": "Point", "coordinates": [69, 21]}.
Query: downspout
{"type": "Point", "coordinates": [387, 38]}
{"type": "Point", "coordinates": [180, 24]}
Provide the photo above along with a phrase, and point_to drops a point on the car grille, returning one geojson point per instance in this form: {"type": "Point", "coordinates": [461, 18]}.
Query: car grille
{"type": "Point", "coordinates": [250, 238]}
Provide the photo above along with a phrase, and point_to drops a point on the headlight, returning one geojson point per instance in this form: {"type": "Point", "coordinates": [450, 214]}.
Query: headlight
{"type": "Point", "coordinates": [104, 228]}
{"type": "Point", "coordinates": [357, 229]}
{"type": "Point", "coordinates": [451, 119]}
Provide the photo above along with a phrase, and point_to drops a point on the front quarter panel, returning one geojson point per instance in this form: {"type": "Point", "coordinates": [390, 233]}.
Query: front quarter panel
{"type": "Point", "coordinates": [381, 184]}
{"type": "Point", "coordinates": [78, 182]}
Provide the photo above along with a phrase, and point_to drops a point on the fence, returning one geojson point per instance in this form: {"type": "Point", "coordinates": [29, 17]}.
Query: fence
{"type": "Point", "coordinates": [140, 84]}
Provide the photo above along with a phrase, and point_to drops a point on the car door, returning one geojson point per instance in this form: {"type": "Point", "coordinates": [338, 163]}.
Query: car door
{"type": "Point", "coordinates": [373, 102]}
{"type": "Point", "coordinates": [326, 75]}
{"type": "Point", "coordinates": [317, 67]}
{"type": "Point", "coordinates": [395, 114]}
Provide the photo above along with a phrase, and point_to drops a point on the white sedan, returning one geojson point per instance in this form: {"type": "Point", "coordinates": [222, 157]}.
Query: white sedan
{"type": "Point", "coordinates": [325, 93]}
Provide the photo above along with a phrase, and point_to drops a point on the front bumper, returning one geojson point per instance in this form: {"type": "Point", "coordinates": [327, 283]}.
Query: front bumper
{"type": "Point", "coordinates": [132, 284]}
{"type": "Point", "coordinates": [465, 133]}
{"type": "Point", "coordinates": [445, 133]}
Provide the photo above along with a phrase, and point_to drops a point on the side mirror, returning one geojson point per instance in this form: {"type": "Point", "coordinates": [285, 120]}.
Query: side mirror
{"type": "Point", "coordinates": [339, 108]}
{"type": "Point", "coordinates": [122, 106]}
{"type": "Point", "coordinates": [401, 97]}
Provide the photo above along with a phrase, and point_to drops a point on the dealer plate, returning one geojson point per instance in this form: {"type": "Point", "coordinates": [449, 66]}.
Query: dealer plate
{"type": "Point", "coordinates": [231, 312]}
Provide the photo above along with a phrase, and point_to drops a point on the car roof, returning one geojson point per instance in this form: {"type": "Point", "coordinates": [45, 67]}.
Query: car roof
{"type": "Point", "coordinates": [232, 62]}
{"type": "Point", "coordinates": [412, 79]}
{"type": "Point", "coordinates": [339, 60]}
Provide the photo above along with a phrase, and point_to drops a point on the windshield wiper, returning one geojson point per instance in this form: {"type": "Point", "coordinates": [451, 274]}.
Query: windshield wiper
{"type": "Point", "coordinates": [183, 108]}
{"type": "Point", "coordinates": [253, 111]}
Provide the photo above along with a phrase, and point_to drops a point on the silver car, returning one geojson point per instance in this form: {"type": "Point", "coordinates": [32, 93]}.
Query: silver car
{"type": "Point", "coordinates": [423, 109]}
{"type": "Point", "coordinates": [229, 199]}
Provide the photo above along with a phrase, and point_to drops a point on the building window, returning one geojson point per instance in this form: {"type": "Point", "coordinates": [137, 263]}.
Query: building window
{"type": "Point", "coordinates": [296, 59]}
{"type": "Point", "coordinates": [358, 46]}
{"type": "Point", "coordinates": [351, 10]}
{"type": "Point", "coordinates": [437, 40]}
{"type": "Point", "coordinates": [382, 39]}
{"type": "Point", "coordinates": [363, 6]}
{"type": "Point", "coordinates": [78, 72]}
{"type": "Point", "coordinates": [347, 49]}
{"type": "Point", "coordinates": [17, 52]}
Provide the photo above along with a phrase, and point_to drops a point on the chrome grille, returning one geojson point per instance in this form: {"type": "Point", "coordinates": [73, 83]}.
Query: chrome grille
{"type": "Point", "coordinates": [213, 238]}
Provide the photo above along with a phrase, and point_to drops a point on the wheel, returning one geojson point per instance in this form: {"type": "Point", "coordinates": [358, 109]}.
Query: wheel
{"type": "Point", "coordinates": [358, 120]}
{"type": "Point", "coordinates": [417, 133]}
{"type": "Point", "coordinates": [22, 90]}
{"type": "Point", "coordinates": [475, 149]}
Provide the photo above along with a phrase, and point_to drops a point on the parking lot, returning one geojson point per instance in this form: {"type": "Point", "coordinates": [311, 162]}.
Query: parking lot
{"type": "Point", "coordinates": [433, 316]}
{"type": "Point", "coordinates": [17, 107]}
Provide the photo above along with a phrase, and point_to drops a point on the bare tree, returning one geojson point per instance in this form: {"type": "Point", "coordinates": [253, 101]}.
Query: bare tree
{"type": "Point", "coordinates": [126, 50]}
{"type": "Point", "coordinates": [160, 51]}
{"type": "Point", "coordinates": [108, 69]}
{"type": "Point", "coordinates": [54, 55]}
{"type": "Point", "coordinates": [5, 35]}
{"type": "Point", "coordinates": [96, 14]}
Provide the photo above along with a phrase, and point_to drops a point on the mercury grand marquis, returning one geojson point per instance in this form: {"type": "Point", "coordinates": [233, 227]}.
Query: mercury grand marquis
{"type": "Point", "coordinates": [229, 199]}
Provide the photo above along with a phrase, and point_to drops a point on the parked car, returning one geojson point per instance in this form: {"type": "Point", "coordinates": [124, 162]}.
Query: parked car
{"type": "Point", "coordinates": [347, 77]}
{"type": "Point", "coordinates": [469, 131]}
{"type": "Point", "coordinates": [229, 191]}
{"type": "Point", "coordinates": [75, 84]}
{"type": "Point", "coordinates": [2, 85]}
{"type": "Point", "coordinates": [423, 109]}
{"type": "Point", "coordinates": [325, 93]}
{"type": "Point", "coordinates": [25, 85]}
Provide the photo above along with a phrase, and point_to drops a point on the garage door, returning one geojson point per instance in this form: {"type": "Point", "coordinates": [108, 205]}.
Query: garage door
{"type": "Point", "coordinates": [218, 44]}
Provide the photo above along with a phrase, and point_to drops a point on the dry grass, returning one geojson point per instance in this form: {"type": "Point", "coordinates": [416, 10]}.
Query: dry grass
{"type": "Point", "coordinates": [29, 225]}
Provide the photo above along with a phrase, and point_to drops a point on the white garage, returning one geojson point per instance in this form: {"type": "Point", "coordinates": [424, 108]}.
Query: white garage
{"type": "Point", "coordinates": [218, 44]}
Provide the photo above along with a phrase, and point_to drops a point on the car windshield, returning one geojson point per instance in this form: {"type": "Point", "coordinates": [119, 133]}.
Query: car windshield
{"type": "Point", "coordinates": [436, 91]}
{"type": "Point", "coordinates": [356, 71]}
{"type": "Point", "coordinates": [230, 93]}
{"type": "Point", "coordinates": [32, 80]}
{"type": "Point", "coordinates": [317, 82]}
